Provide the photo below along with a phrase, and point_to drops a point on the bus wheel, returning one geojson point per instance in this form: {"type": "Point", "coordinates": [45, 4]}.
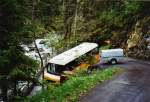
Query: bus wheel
{"type": "Point", "coordinates": [113, 61]}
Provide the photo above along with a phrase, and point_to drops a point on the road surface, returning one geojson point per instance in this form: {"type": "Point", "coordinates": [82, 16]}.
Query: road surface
{"type": "Point", "coordinates": [132, 85]}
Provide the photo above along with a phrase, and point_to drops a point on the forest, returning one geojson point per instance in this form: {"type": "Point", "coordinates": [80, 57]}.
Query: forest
{"type": "Point", "coordinates": [66, 23]}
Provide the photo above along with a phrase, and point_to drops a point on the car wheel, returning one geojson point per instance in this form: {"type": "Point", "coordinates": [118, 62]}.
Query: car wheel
{"type": "Point", "coordinates": [113, 61]}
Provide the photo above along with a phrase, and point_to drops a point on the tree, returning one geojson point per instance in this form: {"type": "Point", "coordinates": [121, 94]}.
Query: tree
{"type": "Point", "coordinates": [14, 65]}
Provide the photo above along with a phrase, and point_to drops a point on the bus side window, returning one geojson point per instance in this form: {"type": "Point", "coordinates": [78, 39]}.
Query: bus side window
{"type": "Point", "coordinates": [53, 67]}
{"type": "Point", "coordinates": [59, 68]}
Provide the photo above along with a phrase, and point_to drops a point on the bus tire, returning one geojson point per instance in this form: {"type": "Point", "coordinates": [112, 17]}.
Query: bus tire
{"type": "Point", "coordinates": [113, 61]}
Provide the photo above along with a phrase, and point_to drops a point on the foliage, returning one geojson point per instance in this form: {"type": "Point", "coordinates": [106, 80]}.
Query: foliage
{"type": "Point", "coordinates": [72, 90]}
{"type": "Point", "coordinates": [59, 44]}
{"type": "Point", "coordinates": [131, 7]}
{"type": "Point", "coordinates": [105, 47]}
{"type": "Point", "coordinates": [14, 65]}
{"type": "Point", "coordinates": [115, 22]}
{"type": "Point", "coordinates": [55, 42]}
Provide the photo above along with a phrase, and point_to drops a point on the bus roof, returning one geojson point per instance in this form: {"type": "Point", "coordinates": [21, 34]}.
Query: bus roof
{"type": "Point", "coordinates": [70, 55]}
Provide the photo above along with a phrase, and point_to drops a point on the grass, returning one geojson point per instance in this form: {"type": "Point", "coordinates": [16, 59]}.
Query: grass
{"type": "Point", "coordinates": [73, 88]}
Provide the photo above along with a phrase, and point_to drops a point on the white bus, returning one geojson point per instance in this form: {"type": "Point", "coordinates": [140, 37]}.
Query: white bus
{"type": "Point", "coordinates": [68, 62]}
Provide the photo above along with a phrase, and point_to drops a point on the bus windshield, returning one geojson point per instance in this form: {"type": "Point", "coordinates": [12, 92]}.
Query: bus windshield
{"type": "Point", "coordinates": [55, 68]}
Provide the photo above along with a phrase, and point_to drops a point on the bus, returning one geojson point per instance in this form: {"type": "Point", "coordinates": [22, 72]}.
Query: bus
{"type": "Point", "coordinates": [69, 62]}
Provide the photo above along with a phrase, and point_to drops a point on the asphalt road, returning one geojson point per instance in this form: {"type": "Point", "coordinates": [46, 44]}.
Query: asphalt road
{"type": "Point", "coordinates": [132, 85]}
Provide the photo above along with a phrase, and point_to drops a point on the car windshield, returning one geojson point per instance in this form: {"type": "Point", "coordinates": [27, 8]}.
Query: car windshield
{"type": "Point", "coordinates": [42, 42]}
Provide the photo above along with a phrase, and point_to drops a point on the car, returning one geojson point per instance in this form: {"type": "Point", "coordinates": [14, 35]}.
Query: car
{"type": "Point", "coordinates": [25, 48]}
{"type": "Point", "coordinates": [148, 46]}
{"type": "Point", "coordinates": [42, 46]}
{"type": "Point", "coordinates": [148, 42]}
{"type": "Point", "coordinates": [31, 51]}
{"type": "Point", "coordinates": [148, 39]}
{"type": "Point", "coordinates": [112, 56]}
{"type": "Point", "coordinates": [33, 55]}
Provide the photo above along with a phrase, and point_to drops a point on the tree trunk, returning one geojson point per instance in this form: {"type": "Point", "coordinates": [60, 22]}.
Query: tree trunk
{"type": "Point", "coordinates": [69, 13]}
{"type": "Point", "coordinates": [41, 59]}
{"type": "Point", "coordinates": [34, 38]}
{"type": "Point", "coordinates": [15, 87]}
{"type": "Point", "coordinates": [75, 18]}
{"type": "Point", "coordinates": [4, 94]}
